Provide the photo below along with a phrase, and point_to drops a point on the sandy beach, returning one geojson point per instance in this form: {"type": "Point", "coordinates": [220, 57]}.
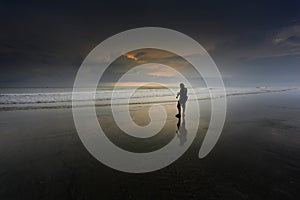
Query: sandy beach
{"type": "Point", "coordinates": [256, 157]}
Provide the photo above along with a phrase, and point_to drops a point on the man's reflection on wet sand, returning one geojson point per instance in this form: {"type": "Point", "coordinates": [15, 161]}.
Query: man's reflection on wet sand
{"type": "Point", "coordinates": [181, 131]}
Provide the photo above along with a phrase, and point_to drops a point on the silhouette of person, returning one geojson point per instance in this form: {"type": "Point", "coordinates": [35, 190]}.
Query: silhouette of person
{"type": "Point", "coordinates": [182, 100]}
{"type": "Point", "coordinates": [181, 131]}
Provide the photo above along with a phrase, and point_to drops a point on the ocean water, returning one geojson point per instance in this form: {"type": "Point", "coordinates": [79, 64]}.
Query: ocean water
{"type": "Point", "coordinates": [28, 97]}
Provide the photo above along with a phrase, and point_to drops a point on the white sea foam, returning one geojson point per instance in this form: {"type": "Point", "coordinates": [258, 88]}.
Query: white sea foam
{"type": "Point", "coordinates": [142, 95]}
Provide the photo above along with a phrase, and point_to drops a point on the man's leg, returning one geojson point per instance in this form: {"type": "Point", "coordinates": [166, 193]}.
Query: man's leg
{"type": "Point", "coordinates": [179, 109]}
{"type": "Point", "coordinates": [183, 109]}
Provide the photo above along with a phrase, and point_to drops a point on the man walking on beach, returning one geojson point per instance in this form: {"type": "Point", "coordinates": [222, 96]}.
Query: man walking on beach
{"type": "Point", "coordinates": [182, 100]}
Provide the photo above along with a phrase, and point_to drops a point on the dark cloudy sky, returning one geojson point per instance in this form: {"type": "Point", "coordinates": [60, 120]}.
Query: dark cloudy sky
{"type": "Point", "coordinates": [253, 43]}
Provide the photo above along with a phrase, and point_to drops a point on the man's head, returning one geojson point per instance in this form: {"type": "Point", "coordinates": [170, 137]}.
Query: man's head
{"type": "Point", "coordinates": [181, 85]}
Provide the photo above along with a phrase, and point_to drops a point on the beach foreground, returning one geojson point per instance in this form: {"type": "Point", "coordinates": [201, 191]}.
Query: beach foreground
{"type": "Point", "coordinates": [256, 157]}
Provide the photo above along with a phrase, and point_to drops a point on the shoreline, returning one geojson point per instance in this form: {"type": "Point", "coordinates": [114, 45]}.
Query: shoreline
{"type": "Point", "coordinates": [104, 103]}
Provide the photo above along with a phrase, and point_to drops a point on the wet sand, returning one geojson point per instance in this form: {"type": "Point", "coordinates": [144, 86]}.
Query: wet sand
{"type": "Point", "coordinates": [256, 157]}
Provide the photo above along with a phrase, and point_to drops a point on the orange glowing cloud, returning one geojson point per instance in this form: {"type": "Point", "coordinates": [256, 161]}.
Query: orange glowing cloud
{"type": "Point", "coordinates": [131, 56]}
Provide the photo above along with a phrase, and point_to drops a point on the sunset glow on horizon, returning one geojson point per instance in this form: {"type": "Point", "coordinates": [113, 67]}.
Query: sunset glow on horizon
{"type": "Point", "coordinates": [134, 84]}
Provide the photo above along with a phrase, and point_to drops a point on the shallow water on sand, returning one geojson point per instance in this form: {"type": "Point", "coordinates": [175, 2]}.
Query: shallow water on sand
{"type": "Point", "coordinates": [256, 157]}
